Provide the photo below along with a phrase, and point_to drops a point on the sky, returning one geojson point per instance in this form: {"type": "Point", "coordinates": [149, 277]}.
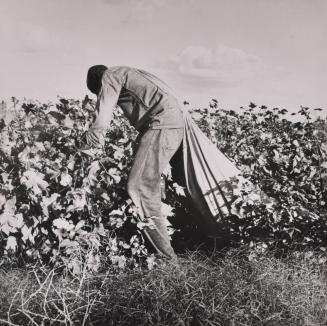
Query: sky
{"type": "Point", "coordinates": [271, 52]}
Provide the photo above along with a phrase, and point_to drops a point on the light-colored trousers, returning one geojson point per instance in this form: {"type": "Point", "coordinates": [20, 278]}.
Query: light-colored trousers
{"type": "Point", "coordinates": [155, 150]}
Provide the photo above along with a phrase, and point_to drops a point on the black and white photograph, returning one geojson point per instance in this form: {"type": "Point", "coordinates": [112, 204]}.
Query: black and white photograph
{"type": "Point", "coordinates": [163, 162]}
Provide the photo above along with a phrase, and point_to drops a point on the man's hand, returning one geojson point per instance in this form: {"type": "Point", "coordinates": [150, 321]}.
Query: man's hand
{"type": "Point", "coordinates": [92, 145]}
{"type": "Point", "coordinates": [93, 138]}
{"type": "Point", "coordinates": [89, 150]}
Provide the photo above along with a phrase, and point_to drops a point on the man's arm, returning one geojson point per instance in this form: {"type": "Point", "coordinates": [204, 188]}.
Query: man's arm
{"type": "Point", "coordinates": [107, 100]}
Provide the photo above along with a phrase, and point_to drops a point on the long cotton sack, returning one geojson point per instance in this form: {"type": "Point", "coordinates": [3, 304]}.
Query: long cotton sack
{"type": "Point", "coordinates": [211, 178]}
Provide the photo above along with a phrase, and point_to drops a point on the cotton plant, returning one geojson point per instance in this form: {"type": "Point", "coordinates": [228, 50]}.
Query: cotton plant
{"type": "Point", "coordinates": [58, 203]}
{"type": "Point", "coordinates": [62, 206]}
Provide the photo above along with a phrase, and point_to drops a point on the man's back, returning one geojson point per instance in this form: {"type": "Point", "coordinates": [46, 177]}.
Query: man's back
{"type": "Point", "coordinates": [146, 100]}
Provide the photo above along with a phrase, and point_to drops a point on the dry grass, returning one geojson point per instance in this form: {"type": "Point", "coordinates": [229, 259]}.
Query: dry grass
{"type": "Point", "coordinates": [221, 290]}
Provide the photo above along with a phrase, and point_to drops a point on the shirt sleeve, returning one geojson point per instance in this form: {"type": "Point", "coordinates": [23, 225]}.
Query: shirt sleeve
{"type": "Point", "coordinates": [106, 101]}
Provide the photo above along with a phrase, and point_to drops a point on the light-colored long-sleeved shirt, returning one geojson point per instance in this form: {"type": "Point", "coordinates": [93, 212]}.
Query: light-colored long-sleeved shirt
{"type": "Point", "coordinates": [146, 101]}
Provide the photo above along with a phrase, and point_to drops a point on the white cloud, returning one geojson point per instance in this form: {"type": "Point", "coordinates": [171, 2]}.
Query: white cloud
{"type": "Point", "coordinates": [28, 37]}
{"type": "Point", "coordinates": [145, 11]}
{"type": "Point", "coordinates": [35, 38]}
{"type": "Point", "coordinates": [137, 11]}
{"type": "Point", "coordinates": [220, 66]}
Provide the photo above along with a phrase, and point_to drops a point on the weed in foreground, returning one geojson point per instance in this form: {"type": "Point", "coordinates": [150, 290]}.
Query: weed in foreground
{"type": "Point", "coordinates": [224, 289]}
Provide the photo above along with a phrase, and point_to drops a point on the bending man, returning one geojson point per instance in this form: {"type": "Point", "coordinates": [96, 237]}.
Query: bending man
{"type": "Point", "coordinates": [151, 108]}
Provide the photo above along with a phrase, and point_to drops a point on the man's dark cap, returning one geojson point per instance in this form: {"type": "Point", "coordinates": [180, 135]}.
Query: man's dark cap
{"type": "Point", "coordinates": [94, 76]}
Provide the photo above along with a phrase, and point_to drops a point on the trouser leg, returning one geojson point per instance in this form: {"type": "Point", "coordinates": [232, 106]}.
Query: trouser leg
{"type": "Point", "coordinates": [155, 150]}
